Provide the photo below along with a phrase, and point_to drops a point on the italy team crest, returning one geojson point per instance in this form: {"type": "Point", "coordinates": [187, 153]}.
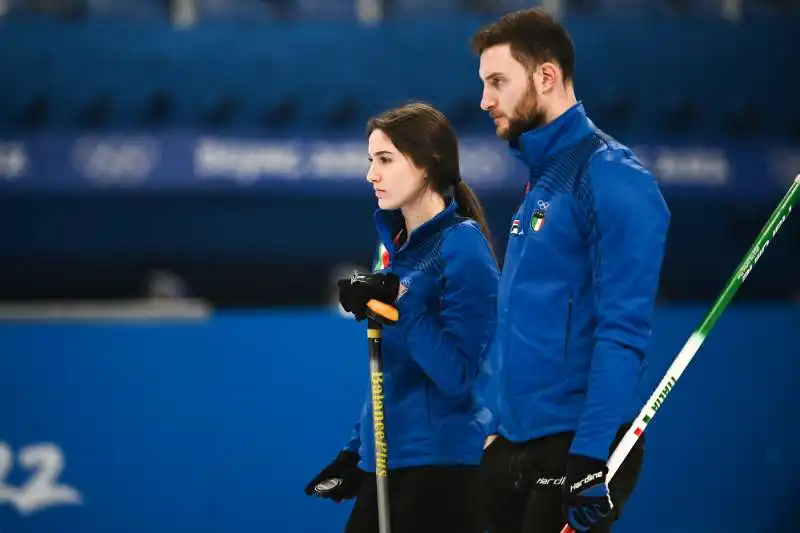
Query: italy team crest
{"type": "Point", "coordinates": [537, 220]}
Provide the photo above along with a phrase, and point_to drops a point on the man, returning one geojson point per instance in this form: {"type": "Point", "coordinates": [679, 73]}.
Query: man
{"type": "Point", "coordinates": [576, 295]}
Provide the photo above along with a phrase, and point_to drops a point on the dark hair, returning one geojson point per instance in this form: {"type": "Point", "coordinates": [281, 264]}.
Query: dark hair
{"type": "Point", "coordinates": [423, 133]}
{"type": "Point", "coordinates": [534, 36]}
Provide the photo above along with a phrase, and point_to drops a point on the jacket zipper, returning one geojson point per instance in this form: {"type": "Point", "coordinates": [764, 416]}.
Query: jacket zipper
{"type": "Point", "coordinates": [512, 413]}
{"type": "Point", "coordinates": [505, 356]}
{"type": "Point", "coordinates": [429, 404]}
{"type": "Point", "coordinates": [568, 328]}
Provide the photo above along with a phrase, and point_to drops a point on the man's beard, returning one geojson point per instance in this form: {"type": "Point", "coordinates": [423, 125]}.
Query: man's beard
{"type": "Point", "coordinates": [527, 115]}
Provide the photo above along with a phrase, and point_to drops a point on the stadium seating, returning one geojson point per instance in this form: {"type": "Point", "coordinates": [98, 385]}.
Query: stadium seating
{"type": "Point", "coordinates": [122, 66]}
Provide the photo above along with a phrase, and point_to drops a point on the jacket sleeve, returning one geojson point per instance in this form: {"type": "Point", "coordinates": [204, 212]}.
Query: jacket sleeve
{"type": "Point", "coordinates": [450, 347]}
{"type": "Point", "coordinates": [486, 396]}
{"type": "Point", "coordinates": [627, 222]}
{"type": "Point", "coordinates": [354, 443]}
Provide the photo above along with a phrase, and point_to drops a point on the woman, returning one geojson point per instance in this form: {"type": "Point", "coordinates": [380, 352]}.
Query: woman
{"type": "Point", "coordinates": [437, 266]}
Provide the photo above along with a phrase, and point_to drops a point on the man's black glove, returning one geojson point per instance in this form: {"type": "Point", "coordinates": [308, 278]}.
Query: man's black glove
{"type": "Point", "coordinates": [587, 500]}
{"type": "Point", "coordinates": [357, 290]}
{"type": "Point", "coordinates": [338, 481]}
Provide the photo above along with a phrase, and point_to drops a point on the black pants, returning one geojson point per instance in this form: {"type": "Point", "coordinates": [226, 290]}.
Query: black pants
{"type": "Point", "coordinates": [428, 499]}
{"type": "Point", "coordinates": [514, 502]}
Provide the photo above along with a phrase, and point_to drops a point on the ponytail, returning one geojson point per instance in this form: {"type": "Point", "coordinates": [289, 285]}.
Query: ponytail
{"type": "Point", "coordinates": [470, 207]}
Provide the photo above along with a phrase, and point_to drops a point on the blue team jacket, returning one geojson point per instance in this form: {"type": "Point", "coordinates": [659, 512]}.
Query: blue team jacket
{"type": "Point", "coordinates": [433, 356]}
{"type": "Point", "coordinates": [577, 290]}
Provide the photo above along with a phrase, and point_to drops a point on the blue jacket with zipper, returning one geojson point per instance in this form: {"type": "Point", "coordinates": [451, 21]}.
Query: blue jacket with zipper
{"type": "Point", "coordinates": [433, 356]}
{"type": "Point", "coordinates": [578, 287]}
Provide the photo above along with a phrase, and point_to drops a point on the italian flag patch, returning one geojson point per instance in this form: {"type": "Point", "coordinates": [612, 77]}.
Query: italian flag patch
{"type": "Point", "coordinates": [382, 260]}
{"type": "Point", "coordinates": [537, 221]}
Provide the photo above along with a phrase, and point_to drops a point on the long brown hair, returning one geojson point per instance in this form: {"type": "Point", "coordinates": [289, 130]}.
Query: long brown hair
{"type": "Point", "coordinates": [423, 133]}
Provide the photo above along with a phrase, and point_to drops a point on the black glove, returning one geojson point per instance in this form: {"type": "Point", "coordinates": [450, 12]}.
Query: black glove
{"type": "Point", "coordinates": [357, 290]}
{"type": "Point", "coordinates": [338, 481]}
{"type": "Point", "coordinates": [587, 500]}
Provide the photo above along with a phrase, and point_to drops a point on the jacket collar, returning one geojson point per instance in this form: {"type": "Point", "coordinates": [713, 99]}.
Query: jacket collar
{"type": "Point", "coordinates": [389, 223]}
{"type": "Point", "coordinates": [535, 146]}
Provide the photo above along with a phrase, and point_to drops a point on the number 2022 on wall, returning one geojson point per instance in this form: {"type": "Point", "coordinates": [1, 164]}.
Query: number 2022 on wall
{"type": "Point", "coordinates": [41, 488]}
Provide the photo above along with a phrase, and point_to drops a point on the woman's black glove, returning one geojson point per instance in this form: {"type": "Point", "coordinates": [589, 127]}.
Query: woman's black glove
{"type": "Point", "coordinates": [357, 290]}
{"type": "Point", "coordinates": [340, 480]}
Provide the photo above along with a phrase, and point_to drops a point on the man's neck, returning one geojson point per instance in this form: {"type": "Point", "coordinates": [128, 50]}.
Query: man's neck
{"type": "Point", "coordinates": [561, 102]}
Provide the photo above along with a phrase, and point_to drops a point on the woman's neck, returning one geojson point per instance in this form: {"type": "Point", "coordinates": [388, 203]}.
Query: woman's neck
{"type": "Point", "coordinates": [425, 207]}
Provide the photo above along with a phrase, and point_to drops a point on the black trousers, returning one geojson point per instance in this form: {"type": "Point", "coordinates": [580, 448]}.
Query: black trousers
{"type": "Point", "coordinates": [514, 502]}
{"type": "Point", "coordinates": [428, 499]}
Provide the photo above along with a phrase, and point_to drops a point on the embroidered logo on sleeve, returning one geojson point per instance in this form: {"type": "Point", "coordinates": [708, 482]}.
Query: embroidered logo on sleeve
{"type": "Point", "coordinates": [537, 220]}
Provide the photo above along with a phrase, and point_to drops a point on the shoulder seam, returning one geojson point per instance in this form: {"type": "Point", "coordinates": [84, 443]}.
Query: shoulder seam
{"type": "Point", "coordinates": [472, 226]}
{"type": "Point", "coordinates": [467, 223]}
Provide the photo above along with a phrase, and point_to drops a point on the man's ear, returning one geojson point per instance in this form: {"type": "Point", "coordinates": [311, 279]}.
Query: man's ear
{"type": "Point", "coordinates": [547, 77]}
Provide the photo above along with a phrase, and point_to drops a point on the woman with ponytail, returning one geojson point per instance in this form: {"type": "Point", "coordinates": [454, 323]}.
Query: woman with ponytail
{"type": "Point", "coordinates": [436, 264]}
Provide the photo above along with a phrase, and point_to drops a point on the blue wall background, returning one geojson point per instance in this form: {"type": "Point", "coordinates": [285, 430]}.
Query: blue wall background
{"type": "Point", "coordinates": [217, 426]}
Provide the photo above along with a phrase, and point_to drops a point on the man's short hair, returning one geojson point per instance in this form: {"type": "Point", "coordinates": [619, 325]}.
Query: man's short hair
{"type": "Point", "coordinates": [534, 36]}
